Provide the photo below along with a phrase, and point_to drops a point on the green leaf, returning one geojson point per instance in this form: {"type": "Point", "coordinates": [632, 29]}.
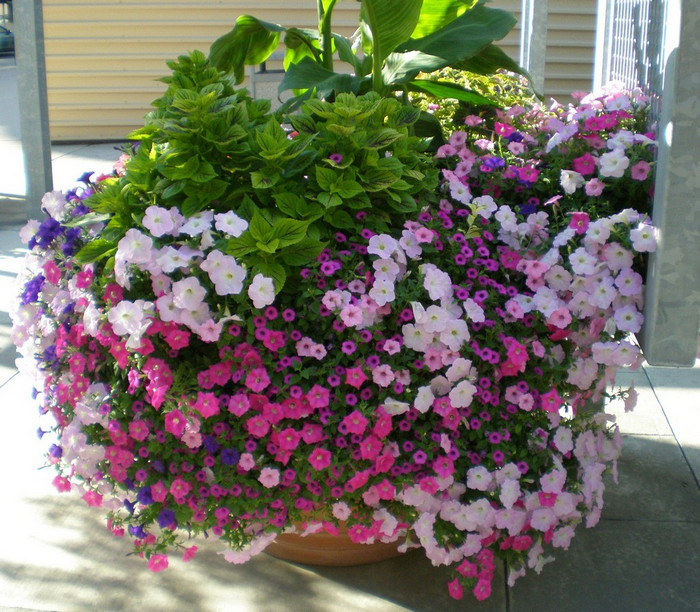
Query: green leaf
{"type": "Point", "coordinates": [339, 218]}
{"type": "Point", "coordinates": [381, 138]}
{"type": "Point", "coordinates": [241, 246]}
{"type": "Point", "coordinates": [300, 43]}
{"type": "Point", "coordinates": [303, 124]}
{"type": "Point", "coordinates": [465, 36]}
{"type": "Point", "coordinates": [348, 188]}
{"type": "Point", "coordinates": [289, 203]}
{"type": "Point", "coordinates": [446, 89]}
{"type": "Point", "coordinates": [173, 189]}
{"type": "Point", "coordinates": [289, 231]}
{"type": "Point", "coordinates": [251, 41]}
{"type": "Point", "coordinates": [406, 204]}
{"type": "Point", "coordinates": [308, 75]}
{"type": "Point", "coordinates": [264, 179]}
{"type": "Point", "coordinates": [302, 253]}
{"type": "Point", "coordinates": [390, 23]}
{"type": "Point", "coordinates": [97, 249]}
{"type": "Point", "coordinates": [204, 173]}
{"type": "Point", "coordinates": [436, 14]}
{"type": "Point", "coordinates": [180, 170]}
{"type": "Point", "coordinates": [376, 179]}
{"type": "Point", "coordinates": [490, 59]}
{"type": "Point", "coordinates": [329, 200]}
{"type": "Point", "coordinates": [326, 178]}
{"type": "Point", "coordinates": [268, 247]}
{"type": "Point", "coordinates": [259, 228]}
{"type": "Point", "coordinates": [461, 39]}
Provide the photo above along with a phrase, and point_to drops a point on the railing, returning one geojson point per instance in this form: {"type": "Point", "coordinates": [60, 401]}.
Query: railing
{"type": "Point", "coordinates": [653, 44]}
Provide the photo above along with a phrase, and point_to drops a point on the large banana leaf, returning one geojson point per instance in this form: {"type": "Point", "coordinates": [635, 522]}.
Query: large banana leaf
{"type": "Point", "coordinates": [250, 42]}
{"type": "Point", "coordinates": [436, 14]}
{"type": "Point", "coordinates": [390, 23]}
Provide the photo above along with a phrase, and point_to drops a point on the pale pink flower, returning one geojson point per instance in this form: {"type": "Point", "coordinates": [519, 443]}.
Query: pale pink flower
{"type": "Point", "coordinates": [462, 394]}
{"type": "Point", "coordinates": [158, 221]}
{"type": "Point", "coordinates": [614, 163]}
{"type": "Point", "coordinates": [188, 293]}
{"type": "Point", "coordinates": [616, 256]}
{"type": "Point", "coordinates": [382, 291]}
{"type": "Point", "coordinates": [230, 223]}
{"type": "Point", "coordinates": [640, 170]}
{"type": "Point", "coordinates": [383, 375]}
{"type": "Point", "coordinates": [351, 315]}
{"type": "Point", "coordinates": [135, 247]}
{"type": "Point", "coordinates": [479, 478]}
{"type": "Point", "coordinates": [198, 223]}
{"type": "Point", "coordinates": [269, 477]}
{"type": "Point", "coordinates": [261, 291]}
{"type": "Point", "coordinates": [643, 238]}
{"type": "Point", "coordinates": [382, 245]}
{"type": "Point", "coordinates": [594, 187]}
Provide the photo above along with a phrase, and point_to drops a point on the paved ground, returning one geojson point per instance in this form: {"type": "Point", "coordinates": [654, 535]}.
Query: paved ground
{"type": "Point", "coordinates": [55, 553]}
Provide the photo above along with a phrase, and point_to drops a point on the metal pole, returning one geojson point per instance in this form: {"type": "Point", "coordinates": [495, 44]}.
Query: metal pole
{"type": "Point", "coordinates": [33, 104]}
{"type": "Point", "coordinates": [672, 300]}
{"type": "Point", "coordinates": [533, 40]}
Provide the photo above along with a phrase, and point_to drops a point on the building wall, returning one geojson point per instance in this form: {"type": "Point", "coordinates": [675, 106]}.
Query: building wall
{"type": "Point", "coordinates": [103, 58]}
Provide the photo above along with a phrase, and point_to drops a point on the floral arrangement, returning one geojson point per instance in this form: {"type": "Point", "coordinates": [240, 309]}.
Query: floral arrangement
{"type": "Point", "coordinates": [595, 156]}
{"type": "Point", "coordinates": [420, 376]}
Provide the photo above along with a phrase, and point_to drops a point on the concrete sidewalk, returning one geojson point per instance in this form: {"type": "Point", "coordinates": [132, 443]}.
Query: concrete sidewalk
{"type": "Point", "coordinates": [56, 553]}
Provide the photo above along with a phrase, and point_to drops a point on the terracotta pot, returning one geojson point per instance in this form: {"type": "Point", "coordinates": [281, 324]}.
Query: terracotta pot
{"type": "Point", "coordinates": [329, 550]}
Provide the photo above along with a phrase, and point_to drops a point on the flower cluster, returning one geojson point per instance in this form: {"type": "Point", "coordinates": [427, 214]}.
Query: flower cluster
{"type": "Point", "coordinates": [429, 385]}
{"type": "Point", "coordinates": [595, 156]}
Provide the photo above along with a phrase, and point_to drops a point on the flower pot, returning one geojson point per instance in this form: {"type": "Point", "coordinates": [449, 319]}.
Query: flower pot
{"type": "Point", "coordinates": [329, 550]}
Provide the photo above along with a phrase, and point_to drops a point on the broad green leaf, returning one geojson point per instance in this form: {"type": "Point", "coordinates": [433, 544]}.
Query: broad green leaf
{"type": "Point", "coordinates": [376, 179]}
{"type": "Point", "coordinates": [301, 253]}
{"type": "Point", "coordinates": [329, 200]}
{"type": "Point", "coordinates": [345, 53]}
{"type": "Point", "coordinates": [390, 23]}
{"type": "Point", "coordinates": [381, 138]}
{"type": "Point", "coordinates": [307, 75]}
{"type": "Point", "coordinates": [181, 171]}
{"type": "Point", "coordinates": [97, 249]}
{"type": "Point", "coordinates": [303, 124]}
{"type": "Point", "coordinates": [405, 205]}
{"type": "Point", "coordinates": [326, 178]}
{"type": "Point", "coordinates": [259, 228]}
{"type": "Point", "coordinates": [299, 44]}
{"type": "Point", "coordinates": [447, 89]}
{"type": "Point", "coordinates": [251, 41]}
{"type": "Point", "coordinates": [490, 59]}
{"type": "Point", "coordinates": [241, 246]}
{"type": "Point", "coordinates": [339, 218]}
{"type": "Point", "coordinates": [465, 36]}
{"type": "Point", "coordinates": [347, 189]}
{"type": "Point", "coordinates": [289, 203]}
{"type": "Point", "coordinates": [264, 179]}
{"type": "Point", "coordinates": [268, 247]}
{"type": "Point", "coordinates": [289, 231]}
{"type": "Point", "coordinates": [204, 173]}
{"type": "Point", "coordinates": [173, 189]}
{"type": "Point", "coordinates": [436, 14]}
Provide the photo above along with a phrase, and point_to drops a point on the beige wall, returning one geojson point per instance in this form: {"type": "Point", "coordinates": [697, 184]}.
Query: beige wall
{"type": "Point", "coordinates": [103, 57]}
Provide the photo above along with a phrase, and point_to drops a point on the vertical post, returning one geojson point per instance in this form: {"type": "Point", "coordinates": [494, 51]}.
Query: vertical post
{"type": "Point", "coordinates": [533, 40]}
{"type": "Point", "coordinates": [33, 103]}
{"type": "Point", "coordinates": [672, 300]}
{"type": "Point", "coordinates": [603, 41]}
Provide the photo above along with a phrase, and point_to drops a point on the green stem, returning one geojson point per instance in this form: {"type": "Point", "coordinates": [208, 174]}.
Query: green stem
{"type": "Point", "coordinates": [326, 33]}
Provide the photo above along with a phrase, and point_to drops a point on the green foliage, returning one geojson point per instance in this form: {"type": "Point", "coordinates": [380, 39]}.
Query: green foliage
{"type": "Point", "coordinates": [491, 93]}
{"type": "Point", "coordinates": [396, 41]}
{"type": "Point", "coordinates": [207, 146]}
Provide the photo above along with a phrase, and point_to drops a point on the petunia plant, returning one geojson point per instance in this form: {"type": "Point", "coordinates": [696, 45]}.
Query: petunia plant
{"type": "Point", "coordinates": [423, 377]}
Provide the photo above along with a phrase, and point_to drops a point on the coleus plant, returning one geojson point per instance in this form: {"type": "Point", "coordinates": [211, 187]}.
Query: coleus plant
{"type": "Point", "coordinates": [208, 146]}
